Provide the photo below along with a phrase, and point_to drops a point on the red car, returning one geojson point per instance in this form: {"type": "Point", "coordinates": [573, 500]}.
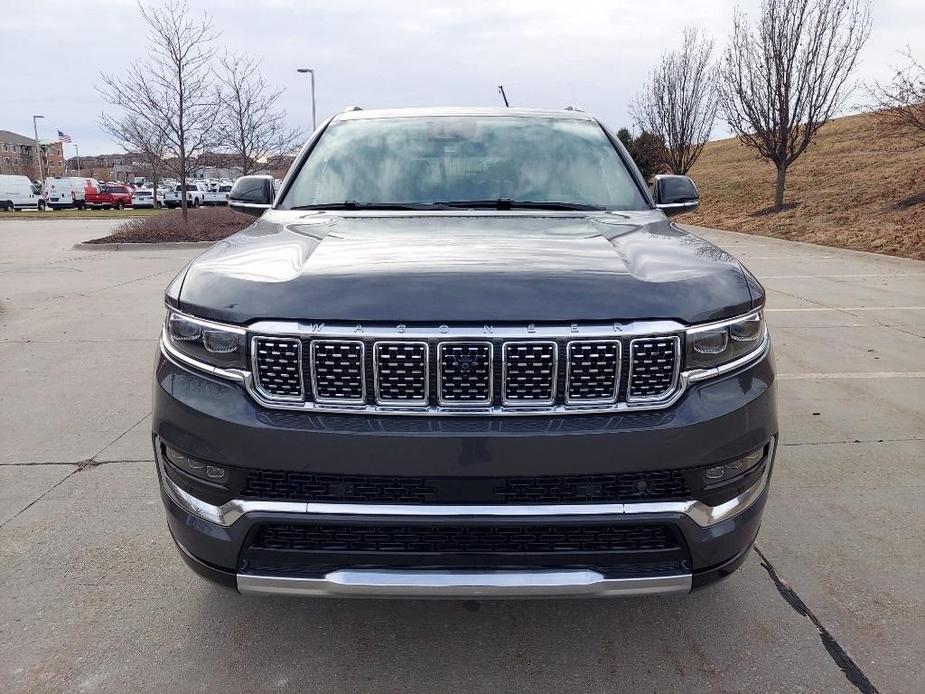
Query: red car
{"type": "Point", "coordinates": [110, 195]}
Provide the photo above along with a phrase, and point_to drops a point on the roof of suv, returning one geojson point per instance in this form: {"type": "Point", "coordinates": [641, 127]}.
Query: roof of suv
{"type": "Point", "coordinates": [361, 114]}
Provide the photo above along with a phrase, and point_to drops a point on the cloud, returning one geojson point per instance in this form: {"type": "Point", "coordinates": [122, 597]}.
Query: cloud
{"type": "Point", "coordinates": [595, 54]}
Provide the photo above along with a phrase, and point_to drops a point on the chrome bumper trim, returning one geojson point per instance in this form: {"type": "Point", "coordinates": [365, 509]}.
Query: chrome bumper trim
{"type": "Point", "coordinates": [699, 512]}
{"type": "Point", "coordinates": [462, 584]}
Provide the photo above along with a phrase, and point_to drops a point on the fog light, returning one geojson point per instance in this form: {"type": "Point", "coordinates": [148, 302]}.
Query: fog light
{"type": "Point", "coordinates": [216, 473]}
{"type": "Point", "coordinates": [197, 468]}
{"type": "Point", "coordinates": [715, 473]}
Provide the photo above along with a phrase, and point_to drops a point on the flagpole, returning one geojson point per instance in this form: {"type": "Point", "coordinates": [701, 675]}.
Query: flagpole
{"type": "Point", "coordinates": [78, 158]}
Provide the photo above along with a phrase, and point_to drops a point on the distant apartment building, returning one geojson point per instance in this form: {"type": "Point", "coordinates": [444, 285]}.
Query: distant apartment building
{"type": "Point", "coordinates": [18, 156]}
{"type": "Point", "coordinates": [106, 167]}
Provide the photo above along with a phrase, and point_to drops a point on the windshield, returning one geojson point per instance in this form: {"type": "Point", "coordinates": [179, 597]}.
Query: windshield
{"type": "Point", "coordinates": [442, 159]}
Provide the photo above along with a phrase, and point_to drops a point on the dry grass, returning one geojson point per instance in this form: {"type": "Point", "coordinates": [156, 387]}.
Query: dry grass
{"type": "Point", "coordinates": [855, 187]}
{"type": "Point", "coordinates": [205, 224]}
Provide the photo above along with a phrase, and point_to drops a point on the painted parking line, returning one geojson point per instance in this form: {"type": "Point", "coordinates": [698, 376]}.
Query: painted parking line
{"type": "Point", "coordinates": [840, 277]}
{"type": "Point", "coordinates": [783, 257]}
{"type": "Point", "coordinates": [851, 376]}
{"type": "Point", "coordinates": [820, 309]}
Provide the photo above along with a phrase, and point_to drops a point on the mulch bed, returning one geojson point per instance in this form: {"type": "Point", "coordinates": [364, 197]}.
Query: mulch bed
{"type": "Point", "coordinates": [204, 224]}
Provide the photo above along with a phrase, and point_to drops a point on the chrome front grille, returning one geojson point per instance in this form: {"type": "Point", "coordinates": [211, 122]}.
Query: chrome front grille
{"type": "Point", "coordinates": [401, 373]}
{"type": "Point", "coordinates": [464, 373]}
{"type": "Point", "coordinates": [421, 373]}
{"type": "Point", "coordinates": [338, 371]}
{"type": "Point", "coordinates": [653, 367]}
{"type": "Point", "coordinates": [529, 373]}
{"type": "Point", "coordinates": [278, 366]}
{"type": "Point", "coordinates": [593, 371]}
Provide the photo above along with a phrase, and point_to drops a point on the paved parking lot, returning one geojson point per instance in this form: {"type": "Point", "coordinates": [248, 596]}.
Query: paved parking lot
{"type": "Point", "coordinates": [93, 596]}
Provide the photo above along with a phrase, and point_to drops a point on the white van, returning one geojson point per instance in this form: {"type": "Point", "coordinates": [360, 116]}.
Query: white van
{"type": "Point", "coordinates": [62, 192]}
{"type": "Point", "coordinates": [17, 193]}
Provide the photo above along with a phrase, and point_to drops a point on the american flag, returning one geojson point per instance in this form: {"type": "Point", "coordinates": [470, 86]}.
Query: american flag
{"type": "Point", "coordinates": [64, 137]}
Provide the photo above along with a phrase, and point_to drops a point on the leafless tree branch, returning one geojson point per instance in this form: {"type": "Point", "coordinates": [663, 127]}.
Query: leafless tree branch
{"type": "Point", "coordinates": [678, 103]}
{"type": "Point", "coordinates": [172, 94]}
{"type": "Point", "coordinates": [251, 127]}
{"type": "Point", "coordinates": [783, 79]}
{"type": "Point", "coordinates": [900, 103]}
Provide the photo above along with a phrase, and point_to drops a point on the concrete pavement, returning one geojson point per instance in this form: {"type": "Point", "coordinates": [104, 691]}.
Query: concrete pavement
{"type": "Point", "coordinates": [94, 598]}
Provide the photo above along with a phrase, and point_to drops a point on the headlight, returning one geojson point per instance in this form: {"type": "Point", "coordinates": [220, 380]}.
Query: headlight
{"type": "Point", "coordinates": [713, 345]}
{"type": "Point", "coordinates": [217, 345]}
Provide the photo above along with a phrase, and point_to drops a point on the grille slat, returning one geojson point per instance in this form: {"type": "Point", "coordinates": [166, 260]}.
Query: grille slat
{"type": "Point", "coordinates": [662, 485]}
{"type": "Point", "coordinates": [451, 539]}
{"type": "Point", "coordinates": [593, 371]}
{"type": "Point", "coordinates": [476, 375]}
{"type": "Point", "coordinates": [338, 373]}
{"type": "Point", "coordinates": [401, 373]}
{"type": "Point", "coordinates": [654, 366]}
{"type": "Point", "coordinates": [278, 367]}
{"type": "Point", "coordinates": [464, 373]}
{"type": "Point", "coordinates": [529, 370]}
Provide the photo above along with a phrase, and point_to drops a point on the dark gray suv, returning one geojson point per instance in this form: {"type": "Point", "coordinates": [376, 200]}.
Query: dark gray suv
{"type": "Point", "coordinates": [464, 353]}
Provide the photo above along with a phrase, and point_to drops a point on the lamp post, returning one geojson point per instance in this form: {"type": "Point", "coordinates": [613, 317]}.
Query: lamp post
{"type": "Point", "coordinates": [38, 149]}
{"type": "Point", "coordinates": [311, 72]}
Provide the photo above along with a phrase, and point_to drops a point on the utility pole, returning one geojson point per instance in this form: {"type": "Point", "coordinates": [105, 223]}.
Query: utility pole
{"type": "Point", "coordinates": [38, 149]}
{"type": "Point", "coordinates": [77, 152]}
{"type": "Point", "coordinates": [503, 95]}
{"type": "Point", "coordinates": [311, 72]}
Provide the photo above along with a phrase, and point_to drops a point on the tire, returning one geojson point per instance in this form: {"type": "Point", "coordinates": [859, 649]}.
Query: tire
{"type": "Point", "coordinates": [158, 205]}
{"type": "Point", "coordinates": [119, 206]}
{"type": "Point", "coordinates": [8, 207]}
{"type": "Point", "coordinates": [195, 203]}
{"type": "Point", "coordinates": [41, 206]}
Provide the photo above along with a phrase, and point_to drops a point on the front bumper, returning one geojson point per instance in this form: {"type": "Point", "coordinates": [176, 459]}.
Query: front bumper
{"type": "Point", "coordinates": [217, 420]}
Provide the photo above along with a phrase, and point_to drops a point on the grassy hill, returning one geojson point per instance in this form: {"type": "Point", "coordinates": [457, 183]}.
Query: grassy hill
{"type": "Point", "coordinates": [855, 187]}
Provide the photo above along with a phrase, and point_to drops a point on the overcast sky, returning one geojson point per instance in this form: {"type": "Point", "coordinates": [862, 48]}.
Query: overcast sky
{"type": "Point", "coordinates": [376, 54]}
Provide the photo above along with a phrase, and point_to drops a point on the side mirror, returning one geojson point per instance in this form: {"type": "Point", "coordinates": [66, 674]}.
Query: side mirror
{"type": "Point", "coordinates": [675, 194]}
{"type": "Point", "coordinates": [252, 195]}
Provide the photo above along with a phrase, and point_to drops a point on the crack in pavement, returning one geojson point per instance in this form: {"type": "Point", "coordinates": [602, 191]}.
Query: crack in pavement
{"type": "Point", "coordinates": [40, 497]}
{"type": "Point", "coordinates": [835, 650]}
{"type": "Point", "coordinates": [119, 437]}
{"type": "Point", "coordinates": [851, 441]}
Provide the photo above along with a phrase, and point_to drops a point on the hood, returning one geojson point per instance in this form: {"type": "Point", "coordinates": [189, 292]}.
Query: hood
{"type": "Point", "coordinates": [463, 267]}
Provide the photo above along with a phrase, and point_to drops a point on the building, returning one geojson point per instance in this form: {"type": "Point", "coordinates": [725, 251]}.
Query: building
{"type": "Point", "coordinates": [17, 156]}
{"type": "Point", "coordinates": [107, 167]}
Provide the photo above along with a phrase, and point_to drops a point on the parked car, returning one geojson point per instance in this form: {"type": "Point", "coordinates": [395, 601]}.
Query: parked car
{"type": "Point", "coordinates": [195, 195]}
{"type": "Point", "coordinates": [19, 193]}
{"type": "Point", "coordinates": [494, 368]}
{"type": "Point", "coordinates": [217, 194]}
{"type": "Point", "coordinates": [110, 196]}
{"type": "Point", "coordinates": [63, 192]}
{"type": "Point", "coordinates": [144, 198]}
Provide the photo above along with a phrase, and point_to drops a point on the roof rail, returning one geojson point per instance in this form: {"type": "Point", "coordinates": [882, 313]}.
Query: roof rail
{"type": "Point", "coordinates": [574, 108]}
{"type": "Point", "coordinates": [352, 108]}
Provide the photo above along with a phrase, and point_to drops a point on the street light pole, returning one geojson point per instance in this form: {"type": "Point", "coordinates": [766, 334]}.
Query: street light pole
{"type": "Point", "coordinates": [311, 72]}
{"type": "Point", "coordinates": [38, 149]}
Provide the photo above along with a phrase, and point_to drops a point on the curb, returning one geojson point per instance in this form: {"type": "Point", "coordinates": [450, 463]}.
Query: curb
{"type": "Point", "coordinates": [137, 246]}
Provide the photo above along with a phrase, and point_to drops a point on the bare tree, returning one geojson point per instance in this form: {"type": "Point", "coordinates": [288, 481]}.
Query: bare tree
{"type": "Point", "coordinates": [678, 103]}
{"type": "Point", "coordinates": [173, 90]}
{"type": "Point", "coordinates": [900, 103]}
{"type": "Point", "coordinates": [784, 79]}
{"type": "Point", "coordinates": [138, 137]}
{"type": "Point", "coordinates": [252, 127]}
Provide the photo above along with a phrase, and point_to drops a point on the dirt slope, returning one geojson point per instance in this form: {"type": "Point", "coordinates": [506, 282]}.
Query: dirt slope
{"type": "Point", "coordinates": [855, 187]}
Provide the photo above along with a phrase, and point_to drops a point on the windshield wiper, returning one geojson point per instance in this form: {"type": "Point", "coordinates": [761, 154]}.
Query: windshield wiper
{"type": "Point", "coordinates": [354, 205]}
{"type": "Point", "coordinates": [508, 204]}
